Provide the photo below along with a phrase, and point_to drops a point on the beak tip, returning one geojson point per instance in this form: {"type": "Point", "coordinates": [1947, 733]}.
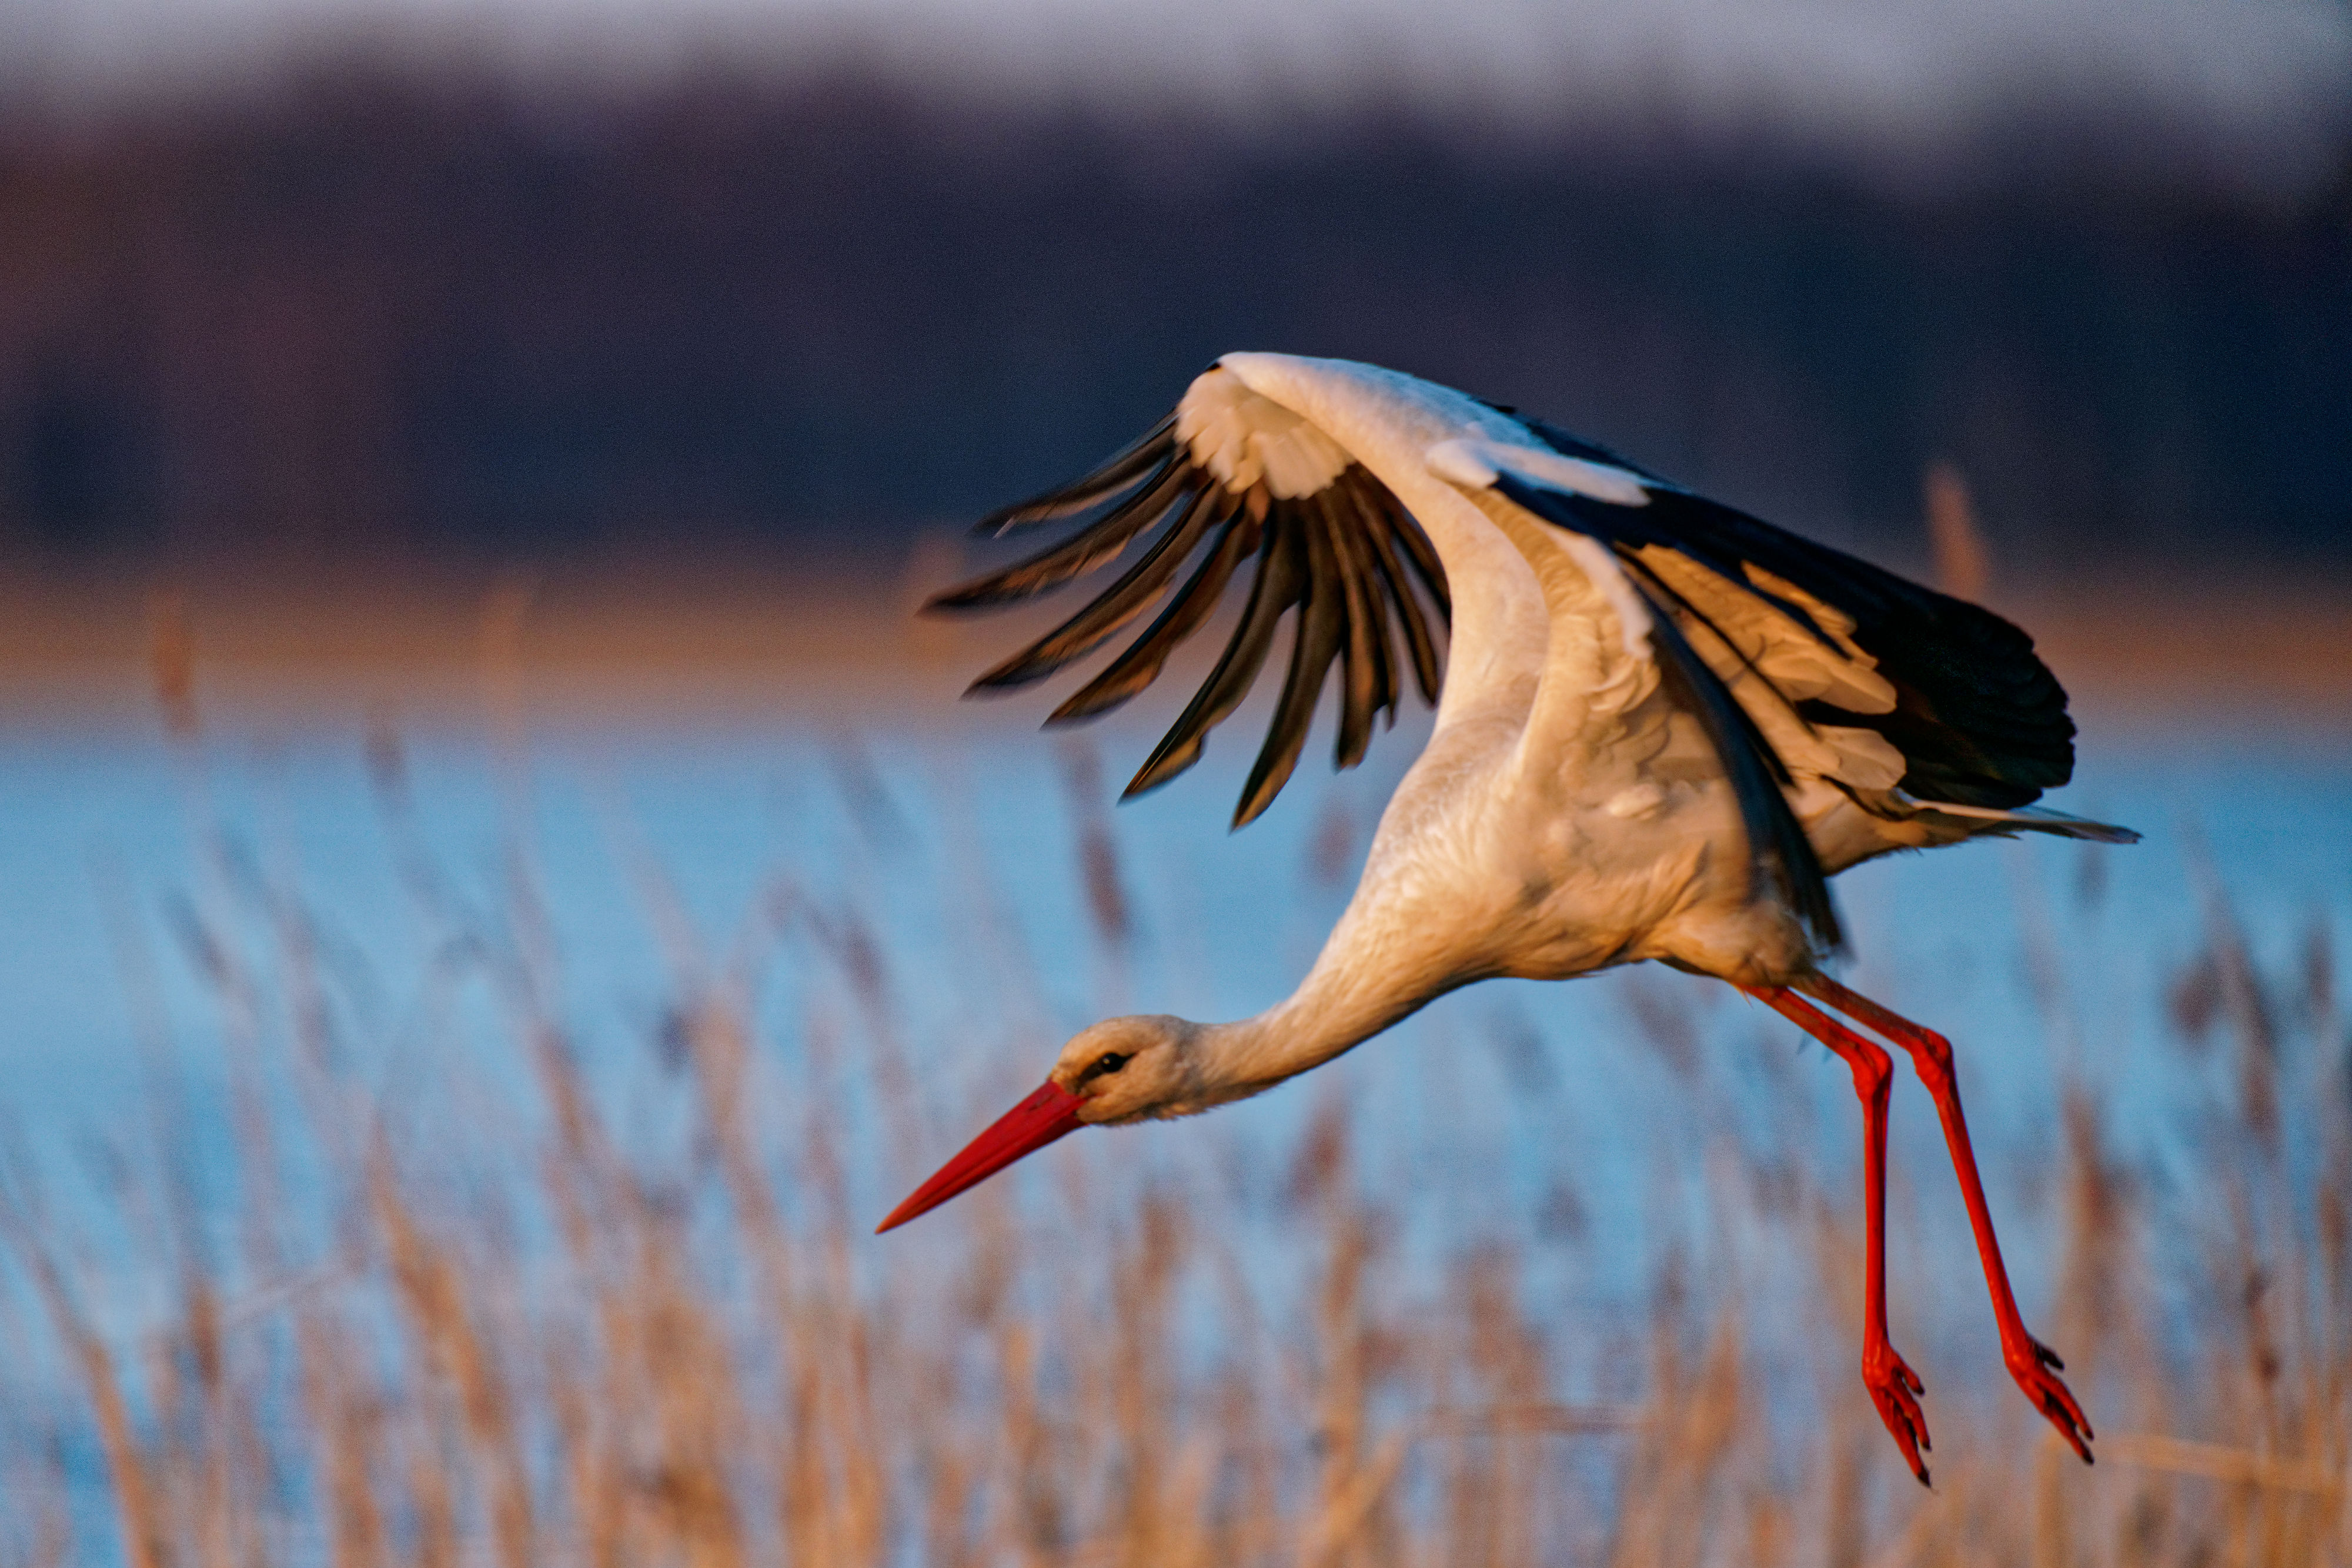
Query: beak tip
{"type": "Point", "coordinates": [1046, 1116]}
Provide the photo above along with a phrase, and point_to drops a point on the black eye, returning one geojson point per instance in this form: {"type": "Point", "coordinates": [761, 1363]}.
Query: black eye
{"type": "Point", "coordinates": [1108, 1062]}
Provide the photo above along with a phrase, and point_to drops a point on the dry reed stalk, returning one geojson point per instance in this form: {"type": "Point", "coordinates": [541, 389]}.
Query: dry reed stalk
{"type": "Point", "coordinates": [1141, 1384]}
{"type": "Point", "coordinates": [1098, 867]}
{"type": "Point", "coordinates": [39, 1519]}
{"type": "Point", "coordinates": [1347, 1362]}
{"type": "Point", "coordinates": [340, 1403]}
{"type": "Point", "coordinates": [1494, 1474]}
{"type": "Point", "coordinates": [1963, 565]}
{"type": "Point", "coordinates": [430, 1284]}
{"type": "Point", "coordinates": [145, 1538]}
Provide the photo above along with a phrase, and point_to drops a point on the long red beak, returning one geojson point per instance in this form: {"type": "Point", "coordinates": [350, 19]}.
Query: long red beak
{"type": "Point", "coordinates": [1051, 1112]}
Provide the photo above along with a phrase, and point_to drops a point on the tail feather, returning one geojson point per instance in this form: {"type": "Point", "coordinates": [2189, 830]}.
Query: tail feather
{"type": "Point", "coordinates": [2035, 820]}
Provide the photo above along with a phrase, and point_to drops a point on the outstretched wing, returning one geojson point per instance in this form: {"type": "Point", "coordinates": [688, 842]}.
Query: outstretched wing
{"type": "Point", "coordinates": [1324, 539]}
{"type": "Point", "coordinates": [1800, 662]}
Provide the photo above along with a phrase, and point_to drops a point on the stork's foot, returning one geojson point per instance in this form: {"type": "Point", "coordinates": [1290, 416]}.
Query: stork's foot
{"type": "Point", "coordinates": [1896, 1389]}
{"type": "Point", "coordinates": [2036, 1368]}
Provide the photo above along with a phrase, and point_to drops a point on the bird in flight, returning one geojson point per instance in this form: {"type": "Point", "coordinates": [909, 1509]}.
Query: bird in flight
{"type": "Point", "coordinates": [1661, 726]}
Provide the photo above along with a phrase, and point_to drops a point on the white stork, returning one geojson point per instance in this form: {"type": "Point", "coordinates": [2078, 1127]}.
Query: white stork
{"type": "Point", "coordinates": [1665, 722]}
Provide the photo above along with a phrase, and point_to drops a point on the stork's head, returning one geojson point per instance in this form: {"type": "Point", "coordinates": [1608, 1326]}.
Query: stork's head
{"type": "Point", "coordinates": [1120, 1070]}
{"type": "Point", "coordinates": [1128, 1068]}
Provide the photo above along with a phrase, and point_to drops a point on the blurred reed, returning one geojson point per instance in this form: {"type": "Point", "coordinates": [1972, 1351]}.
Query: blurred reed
{"type": "Point", "coordinates": [435, 1328]}
{"type": "Point", "coordinates": [1963, 565]}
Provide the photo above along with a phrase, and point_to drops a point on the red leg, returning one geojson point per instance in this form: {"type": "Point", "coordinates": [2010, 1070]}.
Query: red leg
{"type": "Point", "coordinates": [2034, 1365]}
{"type": "Point", "coordinates": [1893, 1387]}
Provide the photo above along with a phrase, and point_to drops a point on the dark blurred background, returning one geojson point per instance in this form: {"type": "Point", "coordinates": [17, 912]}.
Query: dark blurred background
{"type": "Point", "coordinates": [382, 305]}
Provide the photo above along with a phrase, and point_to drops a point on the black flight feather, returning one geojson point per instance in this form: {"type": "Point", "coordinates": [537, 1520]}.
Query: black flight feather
{"type": "Point", "coordinates": [1194, 602]}
{"type": "Point", "coordinates": [1107, 478]}
{"type": "Point", "coordinates": [1418, 550]}
{"type": "Point", "coordinates": [1125, 599]}
{"type": "Point", "coordinates": [1320, 624]}
{"type": "Point", "coordinates": [1366, 683]}
{"type": "Point", "coordinates": [1418, 644]}
{"type": "Point", "coordinates": [1090, 545]}
{"type": "Point", "coordinates": [1280, 578]}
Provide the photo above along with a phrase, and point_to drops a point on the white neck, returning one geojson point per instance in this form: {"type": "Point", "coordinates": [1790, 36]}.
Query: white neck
{"type": "Point", "coordinates": [1356, 990]}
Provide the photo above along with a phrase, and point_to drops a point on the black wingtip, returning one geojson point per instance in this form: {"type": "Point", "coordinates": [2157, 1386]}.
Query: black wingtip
{"type": "Point", "coordinates": [997, 683]}
{"type": "Point", "coordinates": [1164, 764]}
{"type": "Point", "coordinates": [1116, 473]}
{"type": "Point", "coordinates": [953, 602]}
